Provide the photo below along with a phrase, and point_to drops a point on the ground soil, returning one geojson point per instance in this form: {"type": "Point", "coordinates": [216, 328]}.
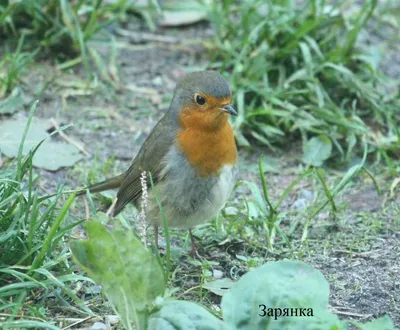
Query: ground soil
{"type": "Point", "coordinates": [357, 251]}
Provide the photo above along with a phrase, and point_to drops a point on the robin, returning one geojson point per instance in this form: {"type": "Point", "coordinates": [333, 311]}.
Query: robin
{"type": "Point", "coordinates": [191, 154]}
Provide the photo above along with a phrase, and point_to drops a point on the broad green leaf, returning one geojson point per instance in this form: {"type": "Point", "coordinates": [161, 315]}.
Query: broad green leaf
{"type": "Point", "coordinates": [184, 315]}
{"type": "Point", "coordinates": [128, 272]}
{"type": "Point", "coordinates": [383, 323]}
{"type": "Point", "coordinates": [219, 287]}
{"type": "Point", "coordinates": [11, 134]}
{"type": "Point", "coordinates": [281, 284]}
{"type": "Point", "coordinates": [317, 150]}
{"type": "Point", "coordinates": [176, 13]}
{"type": "Point", "coordinates": [52, 155]}
{"type": "Point", "coordinates": [15, 101]}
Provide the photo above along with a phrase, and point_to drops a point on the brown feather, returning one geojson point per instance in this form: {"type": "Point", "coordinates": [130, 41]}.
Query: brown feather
{"type": "Point", "coordinates": [108, 184]}
{"type": "Point", "coordinates": [148, 159]}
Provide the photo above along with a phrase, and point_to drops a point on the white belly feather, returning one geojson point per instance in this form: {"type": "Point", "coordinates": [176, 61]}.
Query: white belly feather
{"type": "Point", "coordinates": [187, 199]}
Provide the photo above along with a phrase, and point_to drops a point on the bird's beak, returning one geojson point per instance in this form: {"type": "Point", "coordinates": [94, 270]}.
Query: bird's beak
{"type": "Point", "coordinates": [229, 109]}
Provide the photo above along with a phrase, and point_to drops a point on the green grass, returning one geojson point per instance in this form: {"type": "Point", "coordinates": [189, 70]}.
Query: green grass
{"type": "Point", "coordinates": [60, 30]}
{"type": "Point", "coordinates": [264, 214]}
{"type": "Point", "coordinates": [298, 71]}
{"type": "Point", "coordinates": [63, 27]}
{"type": "Point", "coordinates": [12, 66]}
{"type": "Point", "coordinates": [60, 26]}
{"type": "Point", "coordinates": [33, 256]}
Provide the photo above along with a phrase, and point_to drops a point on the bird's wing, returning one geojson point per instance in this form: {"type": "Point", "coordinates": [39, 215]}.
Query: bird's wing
{"type": "Point", "coordinates": [148, 159]}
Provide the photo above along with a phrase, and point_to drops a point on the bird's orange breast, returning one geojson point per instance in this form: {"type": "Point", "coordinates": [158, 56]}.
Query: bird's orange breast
{"type": "Point", "coordinates": [207, 140]}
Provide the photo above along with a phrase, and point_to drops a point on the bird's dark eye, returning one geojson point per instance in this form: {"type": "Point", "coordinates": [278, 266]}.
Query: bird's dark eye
{"type": "Point", "coordinates": [199, 99]}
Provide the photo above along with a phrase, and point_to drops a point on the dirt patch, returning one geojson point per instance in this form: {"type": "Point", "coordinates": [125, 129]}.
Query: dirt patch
{"type": "Point", "coordinates": [366, 200]}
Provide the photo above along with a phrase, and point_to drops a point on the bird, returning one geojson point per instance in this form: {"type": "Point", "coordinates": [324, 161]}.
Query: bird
{"type": "Point", "coordinates": [191, 154]}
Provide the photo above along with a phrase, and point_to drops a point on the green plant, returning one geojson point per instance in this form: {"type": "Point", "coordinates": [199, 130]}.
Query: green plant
{"type": "Point", "coordinates": [31, 251]}
{"type": "Point", "coordinates": [12, 66]}
{"type": "Point", "coordinates": [59, 25]}
{"type": "Point", "coordinates": [296, 70]}
{"type": "Point", "coordinates": [63, 27]}
{"type": "Point", "coordinates": [279, 295]}
{"type": "Point", "coordinates": [267, 215]}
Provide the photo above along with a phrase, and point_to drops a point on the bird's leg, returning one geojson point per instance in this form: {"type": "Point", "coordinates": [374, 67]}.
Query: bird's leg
{"type": "Point", "coordinates": [193, 251]}
{"type": "Point", "coordinates": [156, 236]}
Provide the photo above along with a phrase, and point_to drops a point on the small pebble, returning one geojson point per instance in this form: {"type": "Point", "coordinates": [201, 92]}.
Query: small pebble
{"type": "Point", "coordinates": [112, 319]}
{"type": "Point", "coordinates": [99, 326]}
{"type": "Point", "coordinates": [217, 274]}
{"type": "Point", "coordinates": [300, 203]}
{"type": "Point", "coordinates": [157, 81]}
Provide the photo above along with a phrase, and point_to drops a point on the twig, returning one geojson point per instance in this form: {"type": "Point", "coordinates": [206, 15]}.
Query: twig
{"type": "Point", "coordinates": [363, 316]}
{"type": "Point", "coordinates": [80, 321]}
{"type": "Point", "coordinates": [87, 213]}
{"type": "Point", "coordinates": [68, 139]}
{"type": "Point", "coordinates": [361, 254]}
{"type": "Point", "coordinates": [74, 319]}
{"type": "Point", "coordinates": [143, 37]}
{"type": "Point", "coordinates": [188, 290]}
{"type": "Point", "coordinates": [111, 208]}
{"type": "Point", "coordinates": [143, 90]}
{"type": "Point", "coordinates": [183, 46]}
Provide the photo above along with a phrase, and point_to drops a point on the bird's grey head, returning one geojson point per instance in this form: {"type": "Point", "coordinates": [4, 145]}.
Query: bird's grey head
{"type": "Point", "coordinates": [207, 85]}
{"type": "Point", "coordinates": [206, 82]}
{"type": "Point", "coordinates": [202, 91]}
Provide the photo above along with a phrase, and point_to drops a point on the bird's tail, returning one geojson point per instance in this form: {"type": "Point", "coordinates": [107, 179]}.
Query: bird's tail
{"type": "Point", "coordinates": [108, 184]}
